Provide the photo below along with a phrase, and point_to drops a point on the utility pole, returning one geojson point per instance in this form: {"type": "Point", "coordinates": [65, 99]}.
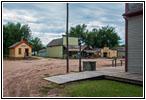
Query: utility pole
{"type": "Point", "coordinates": [67, 52]}
{"type": "Point", "coordinates": [80, 57]}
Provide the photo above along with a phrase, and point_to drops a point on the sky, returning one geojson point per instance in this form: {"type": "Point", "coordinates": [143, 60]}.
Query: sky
{"type": "Point", "coordinates": [48, 20]}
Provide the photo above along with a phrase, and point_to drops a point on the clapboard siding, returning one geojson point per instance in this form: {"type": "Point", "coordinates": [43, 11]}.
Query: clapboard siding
{"type": "Point", "coordinates": [135, 44]}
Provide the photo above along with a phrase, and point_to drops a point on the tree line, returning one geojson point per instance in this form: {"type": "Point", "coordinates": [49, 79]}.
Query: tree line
{"type": "Point", "coordinates": [12, 33]}
{"type": "Point", "coordinates": [96, 38]}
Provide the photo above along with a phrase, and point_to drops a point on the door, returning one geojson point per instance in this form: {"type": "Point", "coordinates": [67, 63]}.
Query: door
{"type": "Point", "coordinates": [26, 52]}
{"type": "Point", "coordinates": [105, 54]}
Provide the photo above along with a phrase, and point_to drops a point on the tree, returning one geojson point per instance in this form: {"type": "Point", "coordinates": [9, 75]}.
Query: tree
{"type": "Point", "coordinates": [91, 38]}
{"type": "Point", "coordinates": [107, 35]}
{"type": "Point", "coordinates": [96, 38]}
{"type": "Point", "coordinates": [36, 44]}
{"type": "Point", "coordinates": [79, 31]}
{"type": "Point", "coordinates": [12, 34]}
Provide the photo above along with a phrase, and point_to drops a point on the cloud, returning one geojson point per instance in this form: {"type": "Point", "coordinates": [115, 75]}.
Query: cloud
{"type": "Point", "coordinates": [48, 20]}
{"type": "Point", "coordinates": [47, 37]}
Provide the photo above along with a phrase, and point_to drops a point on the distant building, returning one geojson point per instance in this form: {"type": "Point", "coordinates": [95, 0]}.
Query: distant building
{"type": "Point", "coordinates": [57, 47]}
{"type": "Point", "coordinates": [20, 49]}
{"type": "Point", "coordinates": [43, 52]}
{"type": "Point", "coordinates": [107, 52]}
{"type": "Point", "coordinates": [101, 52]}
{"type": "Point", "coordinates": [134, 37]}
{"type": "Point", "coordinates": [121, 51]}
{"type": "Point", "coordinates": [92, 53]}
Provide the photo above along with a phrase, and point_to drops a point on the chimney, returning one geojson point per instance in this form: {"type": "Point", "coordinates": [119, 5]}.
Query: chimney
{"type": "Point", "coordinates": [21, 38]}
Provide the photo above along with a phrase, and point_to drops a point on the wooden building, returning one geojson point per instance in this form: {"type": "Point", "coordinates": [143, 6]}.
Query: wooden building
{"type": "Point", "coordinates": [107, 52]}
{"type": "Point", "coordinates": [92, 53]}
{"type": "Point", "coordinates": [121, 51]}
{"type": "Point", "coordinates": [101, 52]}
{"type": "Point", "coordinates": [20, 49]}
{"type": "Point", "coordinates": [43, 52]}
{"type": "Point", "coordinates": [57, 48]}
{"type": "Point", "coordinates": [134, 37]}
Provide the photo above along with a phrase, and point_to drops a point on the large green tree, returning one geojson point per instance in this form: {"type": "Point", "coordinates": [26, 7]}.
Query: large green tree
{"type": "Point", "coordinates": [96, 38]}
{"type": "Point", "coordinates": [12, 34]}
{"type": "Point", "coordinates": [91, 38]}
{"type": "Point", "coordinates": [79, 31]}
{"type": "Point", "coordinates": [107, 35]}
{"type": "Point", "coordinates": [36, 44]}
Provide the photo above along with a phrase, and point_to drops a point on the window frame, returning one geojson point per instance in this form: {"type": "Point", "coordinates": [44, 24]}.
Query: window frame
{"type": "Point", "coordinates": [19, 51]}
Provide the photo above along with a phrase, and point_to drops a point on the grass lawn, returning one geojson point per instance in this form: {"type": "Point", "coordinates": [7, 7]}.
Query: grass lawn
{"type": "Point", "coordinates": [103, 88]}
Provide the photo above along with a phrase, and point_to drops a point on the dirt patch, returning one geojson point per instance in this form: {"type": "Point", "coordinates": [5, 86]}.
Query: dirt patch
{"type": "Point", "coordinates": [24, 78]}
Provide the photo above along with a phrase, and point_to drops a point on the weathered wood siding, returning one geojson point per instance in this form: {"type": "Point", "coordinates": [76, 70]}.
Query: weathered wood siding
{"type": "Point", "coordinates": [135, 44]}
{"type": "Point", "coordinates": [55, 51]}
{"type": "Point", "coordinates": [22, 50]}
{"type": "Point", "coordinates": [71, 40]}
{"type": "Point", "coordinates": [110, 53]}
{"type": "Point", "coordinates": [121, 54]}
{"type": "Point", "coordinates": [11, 52]}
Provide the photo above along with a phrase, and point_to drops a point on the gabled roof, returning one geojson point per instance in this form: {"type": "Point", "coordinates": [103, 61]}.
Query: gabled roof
{"type": "Point", "coordinates": [55, 42]}
{"type": "Point", "coordinates": [18, 43]}
{"type": "Point", "coordinates": [14, 44]}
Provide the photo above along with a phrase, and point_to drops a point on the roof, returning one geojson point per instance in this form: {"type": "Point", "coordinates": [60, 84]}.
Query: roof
{"type": "Point", "coordinates": [55, 42]}
{"type": "Point", "coordinates": [43, 50]}
{"type": "Point", "coordinates": [119, 49]}
{"type": "Point", "coordinates": [15, 44]}
{"type": "Point", "coordinates": [75, 47]}
{"type": "Point", "coordinates": [93, 50]}
{"type": "Point", "coordinates": [133, 9]}
{"type": "Point", "coordinates": [18, 43]}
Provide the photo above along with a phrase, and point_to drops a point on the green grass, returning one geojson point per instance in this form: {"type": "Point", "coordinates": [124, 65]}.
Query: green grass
{"type": "Point", "coordinates": [46, 89]}
{"type": "Point", "coordinates": [47, 57]}
{"type": "Point", "coordinates": [7, 58]}
{"type": "Point", "coordinates": [103, 88]}
{"type": "Point", "coordinates": [46, 75]}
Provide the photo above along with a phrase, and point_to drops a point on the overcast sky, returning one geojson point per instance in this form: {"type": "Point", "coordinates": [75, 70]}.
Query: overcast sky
{"type": "Point", "coordinates": [48, 20]}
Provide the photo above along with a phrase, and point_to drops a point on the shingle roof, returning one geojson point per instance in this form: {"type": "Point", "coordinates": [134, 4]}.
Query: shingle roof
{"type": "Point", "coordinates": [43, 50]}
{"type": "Point", "coordinates": [14, 44]}
{"type": "Point", "coordinates": [55, 42]}
{"type": "Point", "coordinates": [75, 47]}
{"type": "Point", "coordinates": [93, 50]}
{"type": "Point", "coordinates": [120, 49]}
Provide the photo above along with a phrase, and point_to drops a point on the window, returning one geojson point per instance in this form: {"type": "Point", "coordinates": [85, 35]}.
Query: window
{"type": "Point", "coordinates": [19, 50]}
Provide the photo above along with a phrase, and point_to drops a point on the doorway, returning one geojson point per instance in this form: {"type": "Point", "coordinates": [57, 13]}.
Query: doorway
{"type": "Point", "coordinates": [26, 52]}
{"type": "Point", "coordinates": [105, 54]}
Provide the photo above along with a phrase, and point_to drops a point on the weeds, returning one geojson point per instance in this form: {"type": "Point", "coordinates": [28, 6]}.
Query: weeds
{"type": "Point", "coordinates": [46, 89]}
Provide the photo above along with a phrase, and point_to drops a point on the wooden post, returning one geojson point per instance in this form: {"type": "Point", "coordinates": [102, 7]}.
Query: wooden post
{"type": "Point", "coordinates": [115, 62]}
{"type": "Point", "coordinates": [80, 58]}
{"type": "Point", "coordinates": [67, 52]}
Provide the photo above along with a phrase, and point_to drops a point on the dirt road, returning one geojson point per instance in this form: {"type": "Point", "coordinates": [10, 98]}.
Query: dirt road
{"type": "Point", "coordinates": [24, 78]}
